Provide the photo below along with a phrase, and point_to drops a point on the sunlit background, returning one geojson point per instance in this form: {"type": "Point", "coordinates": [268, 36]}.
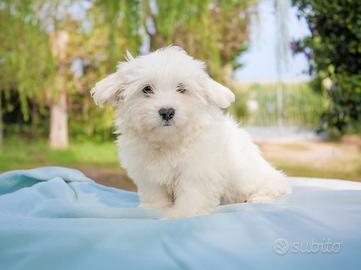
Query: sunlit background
{"type": "Point", "coordinates": [294, 66]}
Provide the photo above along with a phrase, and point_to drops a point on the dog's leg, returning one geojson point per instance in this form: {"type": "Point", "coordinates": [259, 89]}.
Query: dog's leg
{"type": "Point", "coordinates": [192, 200]}
{"type": "Point", "coordinates": [153, 196]}
{"type": "Point", "coordinates": [270, 185]}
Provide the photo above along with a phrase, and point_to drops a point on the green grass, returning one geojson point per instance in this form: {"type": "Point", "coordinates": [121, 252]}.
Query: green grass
{"type": "Point", "coordinates": [100, 161]}
{"type": "Point", "coordinates": [18, 153]}
{"type": "Point", "coordinates": [334, 170]}
{"type": "Point", "coordinates": [316, 159]}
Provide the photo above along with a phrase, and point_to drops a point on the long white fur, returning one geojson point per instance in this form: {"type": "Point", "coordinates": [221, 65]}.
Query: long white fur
{"type": "Point", "coordinates": [203, 158]}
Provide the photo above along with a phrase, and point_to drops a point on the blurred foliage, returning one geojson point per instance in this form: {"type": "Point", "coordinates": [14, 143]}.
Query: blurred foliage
{"type": "Point", "coordinates": [214, 31]}
{"type": "Point", "coordinates": [334, 53]}
{"type": "Point", "coordinates": [26, 61]}
{"type": "Point", "coordinates": [301, 106]}
{"type": "Point", "coordinates": [52, 48]}
{"type": "Point", "coordinates": [239, 108]}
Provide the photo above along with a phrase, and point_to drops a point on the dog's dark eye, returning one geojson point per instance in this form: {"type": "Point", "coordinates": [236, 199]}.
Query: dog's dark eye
{"type": "Point", "coordinates": [147, 90]}
{"type": "Point", "coordinates": [181, 88]}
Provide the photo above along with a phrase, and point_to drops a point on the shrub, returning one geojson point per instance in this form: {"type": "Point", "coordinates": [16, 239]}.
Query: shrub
{"type": "Point", "coordinates": [334, 53]}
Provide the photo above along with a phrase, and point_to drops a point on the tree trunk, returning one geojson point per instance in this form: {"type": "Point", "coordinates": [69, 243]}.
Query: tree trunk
{"type": "Point", "coordinates": [59, 123]}
{"type": "Point", "coordinates": [58, 137]}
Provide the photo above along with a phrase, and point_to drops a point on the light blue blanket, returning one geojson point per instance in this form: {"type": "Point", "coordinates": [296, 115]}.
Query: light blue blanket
{"type": "Point", "coordinates": [57, 218]}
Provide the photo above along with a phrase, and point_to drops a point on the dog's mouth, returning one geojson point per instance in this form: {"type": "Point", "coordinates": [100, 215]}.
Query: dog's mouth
{"type": "Point", "coordinates": [166, 123]}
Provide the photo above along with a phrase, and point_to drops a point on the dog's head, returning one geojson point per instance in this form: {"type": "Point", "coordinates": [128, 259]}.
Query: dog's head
{"type": "Point", "coordinates": [164, 92]}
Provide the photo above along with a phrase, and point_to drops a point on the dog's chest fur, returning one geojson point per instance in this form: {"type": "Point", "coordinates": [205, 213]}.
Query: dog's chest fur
{"type": "Point", "coordinates": [159, 164]}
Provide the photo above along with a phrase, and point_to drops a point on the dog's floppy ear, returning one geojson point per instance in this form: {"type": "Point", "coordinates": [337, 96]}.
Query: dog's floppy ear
{"type": "Point", "coordinates": [110, 89]}
{"type": "Point", "coordinates": [217, 94]}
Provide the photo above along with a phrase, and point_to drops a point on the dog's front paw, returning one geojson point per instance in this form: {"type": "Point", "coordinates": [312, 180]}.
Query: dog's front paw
{"type": "Point", "coordinates": [154, 205]}
{"type": "Point", "coordinates": [174, 214]}
{"type": "Point", "coordinates": [260, 198]}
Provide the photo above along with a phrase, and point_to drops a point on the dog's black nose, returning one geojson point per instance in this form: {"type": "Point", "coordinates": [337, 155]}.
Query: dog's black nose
{"type": "Point", "coordinates": [166, 113]}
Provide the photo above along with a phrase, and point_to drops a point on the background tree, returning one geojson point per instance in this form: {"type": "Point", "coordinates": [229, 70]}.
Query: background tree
{"type": "Point", "coordinates": [54, 51]}
{"type": "Point", "coordinates": [212, 30]}
{"type": "Point", "coordinates": [43, 41]}
{"type": "Point", "coordinates": [334, 53]}
{"type": "Point", "coordinates": [26, 64]}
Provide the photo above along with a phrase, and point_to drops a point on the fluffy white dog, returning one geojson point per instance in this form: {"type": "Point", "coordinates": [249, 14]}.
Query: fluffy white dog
{"type": "Point", "coordinates": [178, 146]}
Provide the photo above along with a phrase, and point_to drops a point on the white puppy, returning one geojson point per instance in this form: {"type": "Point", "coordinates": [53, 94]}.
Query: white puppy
{"type": "Point", "coordinates": [175, 142]}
